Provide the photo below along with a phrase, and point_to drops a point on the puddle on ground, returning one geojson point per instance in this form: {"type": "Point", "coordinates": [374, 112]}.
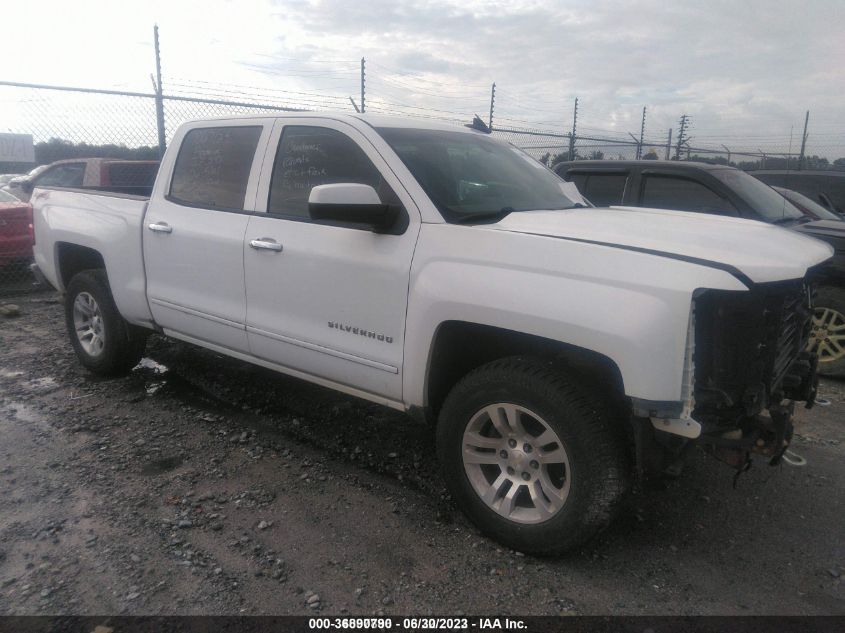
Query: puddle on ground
{"type": "Point", "coordinates": [151, 369]}
{"type": "Point", "coordinates": [10, 373]}
{"type": "Point", "coordinates": [151, 365]}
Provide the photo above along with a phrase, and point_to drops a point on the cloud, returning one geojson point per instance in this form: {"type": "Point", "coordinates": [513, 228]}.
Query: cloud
{"type": "Point", "coordinates": [746, 72]}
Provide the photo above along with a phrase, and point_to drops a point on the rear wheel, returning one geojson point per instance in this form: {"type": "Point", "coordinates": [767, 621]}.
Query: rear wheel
{"type": "Point", "coordinates": [103, 341]}
{"type": "Point", "coordinates": [828, 331]}
{"type": "Point", "coordinates": [532, 456]}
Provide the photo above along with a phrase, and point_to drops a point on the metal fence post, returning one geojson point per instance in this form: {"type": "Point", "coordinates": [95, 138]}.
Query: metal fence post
{"type": "Point", "coordinates": [492, 103]}
{"type": "Point", "coordinates": [363, 73]}
{"type": "Point", "coordinates": [803, 141]}
{"type": "Point", "coordinates": [159, 92]}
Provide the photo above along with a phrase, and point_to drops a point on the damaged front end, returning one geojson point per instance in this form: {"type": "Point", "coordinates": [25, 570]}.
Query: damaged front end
{"type": "Point", "coordinates": [746, 365]}
{"type": "Point", "coordinates": [753, 369]}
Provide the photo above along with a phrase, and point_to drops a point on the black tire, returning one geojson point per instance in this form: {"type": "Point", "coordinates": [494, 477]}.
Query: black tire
{"type": "Point", "coordinates": [831, 297]}
{"type": "Point", "coordinates": [585, 422]}
{"type": "Point", "coordinates": [123, 344]}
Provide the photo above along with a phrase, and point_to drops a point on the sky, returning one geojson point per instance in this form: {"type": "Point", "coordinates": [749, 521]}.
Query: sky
{"type": "Point", "coordinates": [745, 71]}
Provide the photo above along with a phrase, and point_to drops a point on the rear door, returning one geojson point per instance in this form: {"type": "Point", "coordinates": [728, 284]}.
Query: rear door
{"type": "Point", "coordinates": [194, 232]}
{"type": "Point", "coordinates": [330, 302]}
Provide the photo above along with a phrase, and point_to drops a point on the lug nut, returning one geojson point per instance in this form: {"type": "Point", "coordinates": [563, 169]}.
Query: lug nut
{"type": "Point", "coordinates": [527, 448]}
{"type": "Point", "coordinates": [535, 464]}
{"type": "Point", "coordinates": [512, 443]}
{"type": "Point", "coordinates": [503, 454]}
{"type": "Point", "coordinates": [526, 476]}
{"type": "Point", "coordinates": [510, 470]}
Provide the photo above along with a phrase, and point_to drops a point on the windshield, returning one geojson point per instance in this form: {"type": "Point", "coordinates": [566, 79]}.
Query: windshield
{"type": "Point", "coordinates": [7, 197]}
{"type": "Point", "coordinates": [803, 202]}
{"type": "Point", "coordinates": [772, 206]}
{"type": "Point", "coordinates": [468, 175]}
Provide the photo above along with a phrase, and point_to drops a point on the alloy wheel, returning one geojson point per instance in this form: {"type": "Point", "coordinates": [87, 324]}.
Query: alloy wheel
{"type": "Point", "coordinates": [516, 463]}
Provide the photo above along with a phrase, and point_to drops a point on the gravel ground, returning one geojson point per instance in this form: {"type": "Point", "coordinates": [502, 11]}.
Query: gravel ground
{"type": "Point", "coordinates": [202, 485]}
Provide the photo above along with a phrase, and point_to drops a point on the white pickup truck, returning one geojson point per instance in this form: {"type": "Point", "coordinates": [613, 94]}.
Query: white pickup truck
{"type": "Point", "coordinates": [561, 349]}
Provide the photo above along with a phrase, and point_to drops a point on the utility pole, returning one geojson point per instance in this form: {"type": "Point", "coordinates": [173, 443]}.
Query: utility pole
{"type": "Point", "coordinates": [363, 108]}
{"type": "Point", "coordinates": [492, 103]}
{"type": "Point", "coordinates": [642, 134]}
{"type": "Point", "coordinates": [803, 141]}
{"type": "Point", "coordinates": [763, 161]}
{"type": "Point", "coordinates": [669, 144]}
{"type": "Point", "coordinates": [354, 105]}
{"type": "Point", "coordinates": [683, 122]}
{"type": "Point", "coordinates": [159, 97]}
{"type": "Point", "coordinates": [572, 135]}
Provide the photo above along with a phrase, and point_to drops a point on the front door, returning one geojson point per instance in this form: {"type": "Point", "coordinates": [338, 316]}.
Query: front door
{"type": "Point", "coordinates": [194, 233]}
{"type": "Point", "coordinates": [328, 300]}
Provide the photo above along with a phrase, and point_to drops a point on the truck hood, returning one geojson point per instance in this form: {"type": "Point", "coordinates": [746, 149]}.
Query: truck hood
{"type": "Point", "coordinates": [748, 249]}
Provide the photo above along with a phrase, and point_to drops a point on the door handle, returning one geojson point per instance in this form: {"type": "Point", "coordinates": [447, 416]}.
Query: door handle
{"type": "Point", "coordinates": [266, 243]}
{"type": "Point", "coordinates": [160, 227]}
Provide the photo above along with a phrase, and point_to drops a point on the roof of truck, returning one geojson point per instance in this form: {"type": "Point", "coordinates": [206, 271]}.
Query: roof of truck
{"type": "Point", "coordinates": [375, 120]}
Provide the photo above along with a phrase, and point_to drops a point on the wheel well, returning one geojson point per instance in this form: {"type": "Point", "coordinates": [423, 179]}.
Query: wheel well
{"type": "Point", "coordinates": [460, 347]}
{"type": "Point", "coordinates": [73, 258]}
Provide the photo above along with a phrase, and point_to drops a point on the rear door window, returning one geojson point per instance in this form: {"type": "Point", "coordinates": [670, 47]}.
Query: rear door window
{"type": "Point", "coordinates": [213, 167]}
{"type": "Point", "coordinates": [683, 194]}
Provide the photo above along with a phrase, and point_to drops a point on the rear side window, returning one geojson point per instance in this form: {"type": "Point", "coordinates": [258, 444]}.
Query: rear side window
{"type": "Point", "coordinates": [212, 169]}
{"type": "Point", "coordinates": [69, 175]}
{"type": "Point", "coordinates": [131, 175]}
{"type": "Point", "coordinates": [309, 156]}
{"type": "Point", "coordinates": [666, 192]}
{"type": "Point", "coordinates": [604, 190]}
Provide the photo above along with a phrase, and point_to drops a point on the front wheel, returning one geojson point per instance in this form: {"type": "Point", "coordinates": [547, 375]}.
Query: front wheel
{"type": "Point", "coordinates": [532, 456]}
{"type": "Point", "coordinates": [103, 341]}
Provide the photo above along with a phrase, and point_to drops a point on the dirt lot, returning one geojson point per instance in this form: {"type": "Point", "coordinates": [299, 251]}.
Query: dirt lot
{"type": "Point", "coordinates": [203, 485]}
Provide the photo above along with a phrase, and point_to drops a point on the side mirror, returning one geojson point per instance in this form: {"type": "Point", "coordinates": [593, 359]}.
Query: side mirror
{"type": "Point", "coordinates": [27, 186]}
{"type": "Point", "coordinates": [351, 203]}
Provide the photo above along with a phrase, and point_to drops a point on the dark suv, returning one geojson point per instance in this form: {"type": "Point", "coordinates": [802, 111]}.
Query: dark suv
{"type": "Point", "coordinates": [721, 190]}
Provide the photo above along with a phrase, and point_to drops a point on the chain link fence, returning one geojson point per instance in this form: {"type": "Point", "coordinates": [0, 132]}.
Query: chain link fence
{"type": "Point", "coordinates": [77, 123]}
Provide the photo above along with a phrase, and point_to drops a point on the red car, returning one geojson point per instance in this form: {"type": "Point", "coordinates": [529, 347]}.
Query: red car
{"type": "Point", "coordinates": [16, 234]}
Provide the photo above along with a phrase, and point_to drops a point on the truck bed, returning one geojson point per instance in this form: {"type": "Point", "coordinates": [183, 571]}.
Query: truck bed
{"type": "Point", "coordinates": [105, 222]}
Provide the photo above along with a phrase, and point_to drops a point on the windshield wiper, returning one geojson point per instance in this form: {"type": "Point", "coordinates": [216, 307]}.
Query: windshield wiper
{"type": "Point", "coordinates": [491, 217]}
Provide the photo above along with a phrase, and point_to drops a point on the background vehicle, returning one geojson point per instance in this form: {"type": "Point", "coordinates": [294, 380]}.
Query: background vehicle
{"type": "Point", "coordinates": [14, 184]}
{"type": "Point", "coordinates": [721, 190]}
{"type": "Point", "coordinates": [134, 177]}
{"type": "Point", "coordinates": [825, 187]}
{"type": "Point", "coordinates": [5, 178]}
{"type": "Point", "coordinates": [441, 272]}
{"type": "Point", "coordinates": [16, 235]}
{"type": "Point", "coordinates": [809, 208]}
